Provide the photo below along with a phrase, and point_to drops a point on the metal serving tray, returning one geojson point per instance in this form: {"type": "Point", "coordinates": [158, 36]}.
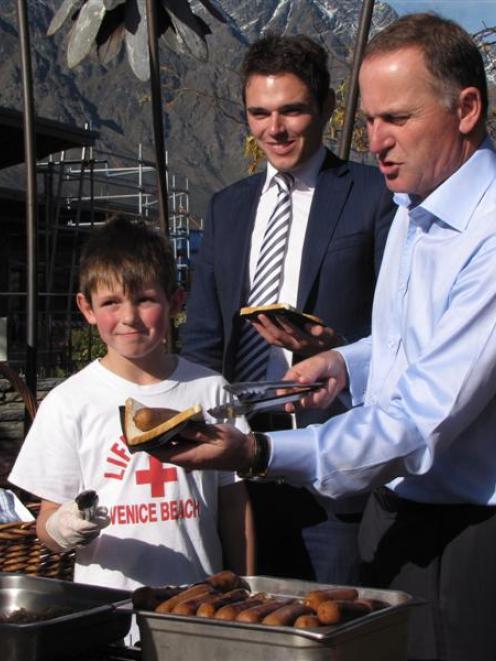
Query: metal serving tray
{"type": "Point", "coordinates": [379, 636]}
{"type": "Point", "coordinates": [96, 618]}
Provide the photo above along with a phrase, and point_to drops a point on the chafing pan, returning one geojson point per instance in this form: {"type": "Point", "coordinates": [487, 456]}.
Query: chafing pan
{"type": "Point", "coordinates": [94, 618]}
{"type": "Point", "coordinates": [379, 636]}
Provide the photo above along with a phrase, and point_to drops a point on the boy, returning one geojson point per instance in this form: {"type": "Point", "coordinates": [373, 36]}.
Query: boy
{"type": "Point", "coordinates": [164, 525]}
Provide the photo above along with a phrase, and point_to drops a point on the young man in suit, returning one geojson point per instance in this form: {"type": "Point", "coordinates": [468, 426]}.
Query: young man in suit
{"type": "Point", "coordinates": [341, 213]}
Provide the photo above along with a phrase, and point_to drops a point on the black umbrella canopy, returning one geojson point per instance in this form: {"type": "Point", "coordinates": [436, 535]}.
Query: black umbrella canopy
{"type": "Point", "coordinates": [108, 25]}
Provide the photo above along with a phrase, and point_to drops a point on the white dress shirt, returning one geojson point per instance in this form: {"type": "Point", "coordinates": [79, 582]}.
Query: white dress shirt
{"type": "Point", "coordinates": [301, 200]}
{"type": "Point", "coordinates": [424, 384]}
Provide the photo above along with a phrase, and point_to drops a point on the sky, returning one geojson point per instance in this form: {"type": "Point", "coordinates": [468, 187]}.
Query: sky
{"type": "Point", "coordinates": [473, 15]}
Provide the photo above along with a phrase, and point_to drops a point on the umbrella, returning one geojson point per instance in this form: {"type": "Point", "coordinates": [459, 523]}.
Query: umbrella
{"type": "Point", "coordinates": [106, 26]}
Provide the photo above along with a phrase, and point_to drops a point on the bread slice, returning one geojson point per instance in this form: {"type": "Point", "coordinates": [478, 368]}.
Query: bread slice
{"type": "Point", "coordinates": [283, 310]}
{"type": "Point", "coordinates": [146, 429]}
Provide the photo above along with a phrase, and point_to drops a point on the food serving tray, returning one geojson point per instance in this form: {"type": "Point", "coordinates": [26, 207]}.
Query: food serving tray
{"type": "Point", "coordinates": [95, 617]}
{"type": "Point", "coordinates": [378, 636]}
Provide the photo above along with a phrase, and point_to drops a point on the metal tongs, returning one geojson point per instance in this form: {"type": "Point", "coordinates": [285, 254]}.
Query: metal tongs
{"type": "Point", "coordinates": [255, 396]}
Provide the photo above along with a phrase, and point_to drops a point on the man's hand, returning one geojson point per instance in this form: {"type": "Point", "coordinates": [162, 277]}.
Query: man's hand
{"type": "Point", "coordinates": [310, 340]}
{"type": "Point", "coordinates": [219, 447]}
{"type": "Point", "coordinates": [328, 366]}
{"type": "Point", "coordinates": [67, 527]}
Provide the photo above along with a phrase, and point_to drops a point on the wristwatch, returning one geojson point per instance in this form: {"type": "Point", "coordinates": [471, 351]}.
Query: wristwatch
{"type": "Point", "coordinates": [260, 459]}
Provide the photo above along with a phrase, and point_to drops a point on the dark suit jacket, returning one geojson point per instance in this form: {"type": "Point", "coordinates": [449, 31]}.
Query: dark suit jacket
{"type": "Point", "coordinates": [347, 227]}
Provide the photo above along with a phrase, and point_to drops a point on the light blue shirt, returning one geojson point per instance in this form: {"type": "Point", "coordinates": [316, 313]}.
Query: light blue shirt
{"type": "Point", "coordinates": [423, 385]}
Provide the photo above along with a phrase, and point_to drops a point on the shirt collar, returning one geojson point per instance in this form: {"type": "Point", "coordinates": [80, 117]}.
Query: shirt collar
{"type": "Point", "coordinates": [305, 175]}
{"type": "Point", "coordinates": [454, 201]}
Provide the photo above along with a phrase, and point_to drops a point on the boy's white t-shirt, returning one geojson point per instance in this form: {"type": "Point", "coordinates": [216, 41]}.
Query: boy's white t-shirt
{"type": "Point", "coordinates": [164, 524]}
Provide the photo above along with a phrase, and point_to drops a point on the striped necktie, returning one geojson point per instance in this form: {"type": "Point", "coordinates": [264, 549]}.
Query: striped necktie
{"type": "Point", "coordinates": [253, 350]}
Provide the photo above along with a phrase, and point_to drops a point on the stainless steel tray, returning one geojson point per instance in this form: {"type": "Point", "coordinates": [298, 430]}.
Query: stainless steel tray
{"type": "Point", "coordinates": [96, 618]}
{"type": "Point", "coordinates": [379, 636]}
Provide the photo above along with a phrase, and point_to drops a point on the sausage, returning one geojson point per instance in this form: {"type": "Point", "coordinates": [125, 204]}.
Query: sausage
{"type": "Point", "coordinates": [226, 580]}
{"type": "Point", "coordinates": [316, 597]}
{"type": "Point", "coordinates": [189, 593]}
{"type": "Point", "coordinates": [329, 612]}
{"type": "Point", "coordinates": [228, 613]}
{"type": "Point", "coordinates": [286, 615]}
{"type": "Point", "coordinates": [190, 606]}
{"type": "Point", "coordinates": [256, 614]}
{"type": "Point", "coordinates": [307, 622]}
{"type": "Point", "coordinates": [373, 604]}
{"type": "Point", "coordinates": [149, 418]}
{"type": "Point", "coordinates": [146, 598]}
{"type": "Point", "coordinates": [209, 608]}
{"type": "Point", "coordinates": [333, 611]}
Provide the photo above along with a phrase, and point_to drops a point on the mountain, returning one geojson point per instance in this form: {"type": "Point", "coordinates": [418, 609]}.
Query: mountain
{"type": "Point", "coordinates": [333, 22]}
{"type": "Point", "coordinates": [204, 121]}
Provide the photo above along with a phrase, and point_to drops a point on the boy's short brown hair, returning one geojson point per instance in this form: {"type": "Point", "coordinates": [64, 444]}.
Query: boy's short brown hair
{"type": "Point", "coordinates": [129, 252]}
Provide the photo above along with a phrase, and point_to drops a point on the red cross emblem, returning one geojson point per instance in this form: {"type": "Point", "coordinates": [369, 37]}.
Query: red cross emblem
{"type": "Point", "coordinates": [156, 475]}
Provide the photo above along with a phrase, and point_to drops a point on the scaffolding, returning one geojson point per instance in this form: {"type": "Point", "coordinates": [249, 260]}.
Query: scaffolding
{"type": "Point", "coordinates": [179, 225]}
{"type": "Point", "coordinates": [80, 190]}
{"type": "Point", "coordinates": [99, 183]}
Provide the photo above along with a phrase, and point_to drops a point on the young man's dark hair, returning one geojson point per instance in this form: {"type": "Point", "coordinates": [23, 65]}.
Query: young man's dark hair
{"type": "Point", "coordinates": [450, 53]}
{"type": "Point", "coordinates": [299, 55]}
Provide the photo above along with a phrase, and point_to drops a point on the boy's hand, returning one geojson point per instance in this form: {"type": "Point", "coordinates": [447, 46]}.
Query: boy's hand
{"type": "Point", "coordinates": [67, 527]}
{"type": "Point", "coordinates": [201, 446]}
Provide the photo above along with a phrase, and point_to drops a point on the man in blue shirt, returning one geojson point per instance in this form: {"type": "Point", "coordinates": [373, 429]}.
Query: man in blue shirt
{"type": "Point", "coordinates": [423, 386]}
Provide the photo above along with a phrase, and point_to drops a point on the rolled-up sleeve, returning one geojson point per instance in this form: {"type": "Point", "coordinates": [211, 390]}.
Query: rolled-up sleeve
{"type": "Point", "coordinates": [439, 415]}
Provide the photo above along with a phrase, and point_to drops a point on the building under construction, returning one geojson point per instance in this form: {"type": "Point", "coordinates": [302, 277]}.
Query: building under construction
{"type": "Point", "coordinates": [79, 187]}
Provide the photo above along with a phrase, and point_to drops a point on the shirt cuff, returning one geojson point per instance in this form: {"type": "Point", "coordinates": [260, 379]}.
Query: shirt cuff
{"type": "Point", "coordinates": [357, 359]}
{"type": "Point", "coordinates": [292, 456]}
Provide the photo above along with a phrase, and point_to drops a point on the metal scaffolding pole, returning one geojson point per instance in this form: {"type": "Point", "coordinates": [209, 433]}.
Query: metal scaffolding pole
{"type": "Point", "coordinates": [352, 97]}
{"type": "Point", "coordinates": [158, 127]}
{"type": "Point", "coordinates": [31, 197]}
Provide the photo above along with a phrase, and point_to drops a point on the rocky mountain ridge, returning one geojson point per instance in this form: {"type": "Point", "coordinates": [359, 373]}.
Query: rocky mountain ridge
{"type": "Point", "coordinates": [204, 122]}
{"type": "Point", "coordinates": [203, 116]}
